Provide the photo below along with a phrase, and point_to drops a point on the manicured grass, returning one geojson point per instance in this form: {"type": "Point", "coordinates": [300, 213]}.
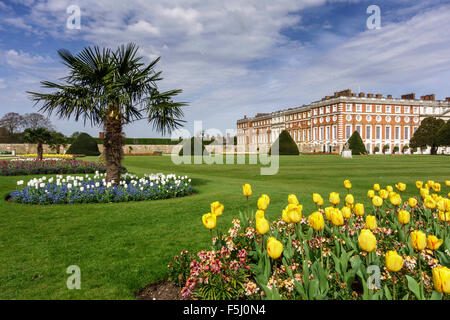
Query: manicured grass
{"type": "Point", "coordinates": [122, 247]}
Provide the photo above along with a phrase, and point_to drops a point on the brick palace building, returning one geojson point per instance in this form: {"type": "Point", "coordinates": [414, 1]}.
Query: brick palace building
{"type": "Point", "coordinates": [326, 125]}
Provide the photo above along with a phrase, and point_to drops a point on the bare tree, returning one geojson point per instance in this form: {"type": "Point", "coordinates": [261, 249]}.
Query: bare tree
{"type": "Point", "coordinates": [36, 120]}
{"type": "Point", "coordinates": [12, 122]}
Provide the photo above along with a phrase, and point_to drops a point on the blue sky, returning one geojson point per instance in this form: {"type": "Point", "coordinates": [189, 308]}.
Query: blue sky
{"type": "Point", "coordinates": [236, 57]}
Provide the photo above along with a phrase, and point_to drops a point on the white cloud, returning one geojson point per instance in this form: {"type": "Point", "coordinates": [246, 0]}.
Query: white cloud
{"type": "Point", "coordinates": [231, 57]}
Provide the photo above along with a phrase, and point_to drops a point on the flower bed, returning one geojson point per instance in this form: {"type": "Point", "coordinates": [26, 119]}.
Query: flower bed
{"type": "Point", "coordinates": [19, 167]}
{"type": "Point", "coordinates": [395, 249]}
{"type": "Point", "coordinates": [85, 189]}
{"type": "Point", "coordinates": [47, 156]}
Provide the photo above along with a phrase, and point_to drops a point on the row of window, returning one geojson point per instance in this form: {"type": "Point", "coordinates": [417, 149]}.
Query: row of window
{"type": "Point", "coordinates": [368, 133]}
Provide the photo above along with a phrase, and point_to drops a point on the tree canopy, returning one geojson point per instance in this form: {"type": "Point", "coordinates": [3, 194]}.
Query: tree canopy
{"type": "Point", "coordinates": [427, 134]}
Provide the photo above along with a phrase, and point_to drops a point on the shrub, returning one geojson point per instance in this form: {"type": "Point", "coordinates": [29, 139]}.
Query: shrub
{"type": "Point", "coordinates": [84, 144]}
{"type": "Point", "coordinates": [396, 149]}
{"type": "Point", "coordinates": [376, 149]}
{"type": "Point", "coordinates": [193, 147]}
{"type": "Point", "coordinates": [385, 148]}
{"type": "Point", "coordinates": [356, 144]}
{"type": "Point", "coordinates": [286, 145]}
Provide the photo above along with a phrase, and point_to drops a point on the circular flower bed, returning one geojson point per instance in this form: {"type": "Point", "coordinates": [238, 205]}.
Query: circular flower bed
{"type": "Point", "coordinates": [18, 167]}
{"type": "Point", "coordinates": [85, 189]}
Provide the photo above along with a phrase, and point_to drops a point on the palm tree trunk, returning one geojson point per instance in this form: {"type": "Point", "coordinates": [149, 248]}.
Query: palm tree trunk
{"type": "Point", "coordinates": [113, 149]}
{"type": "Point", "coordinates": [40, 151]}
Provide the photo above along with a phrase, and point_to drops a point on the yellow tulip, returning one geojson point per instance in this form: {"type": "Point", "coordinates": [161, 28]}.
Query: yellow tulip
{"type": "Point", "coordinates": [370, 194]}
{"type": "Point", "coordinates": [274, 248]}
{"type": "Point", "coordinates": [349, 199]}
{"type": "Point", "coordinates": [337, 217]}
{"type": "Point", "coordinates": [394, 262]}
{"type": "Point", "coordinates": [262, 225]}
{"type": "Point", "coordinates": [259, 214]}
{"type": "Point", "coordinates": [316, 197]}
{"type": "Point", "coordinates": [430, 184]}
{"type": "Point", "coordinates": [209, 220]}
{"type": "Point", "coordinates": [367, 240]}
{"type": "Point", "coordinates": [447, 183]}
{"type": "Point", "coordinates": [292, 199]}
{"type": "Point", "coordinates": [263, 202]}
{"type": "Point", "coordinates": [294, 212]}
{"type": "Point", "coordinates": [247, 190]}
{"type": "Point", "coordinates": [433, 242]}
{"type": "Point", "coordinates": [285, 216]}
{"type": "Point", "coordinates": [376, 187]}
{"type": "Point", "coordinates": [400, 186]}
{"type": "Point", "coordinates": [443, 204]}
{"type": "Point", "coordinates": [371, 222]}
{"type": "Point", "coordinates": [384, 194]}
{"type": "Point", "coordinates": [437, 187]}
{"type": "Point", "coordinates": [334, 198]}
{"type": "Point", "coordinates": [328, 212]}
{"type": "Point", "coordinates": [429, 203]}
{"type": "Point", "coordinates": [217, 208]}
{"type": "Point", "coordinates": [419, 184]}
{"type": "Point", "coordinates": [347, 212]}
{"type": "Point", "coordinates": [404, 217]}
{"type": "Point", "coordinates": [444, 216]}
{"type": "Point", "coordinates": [424, 193]}
{"type": "Point", "coordinates": [412, 202]}
{"type": "Point", "coordinates": [441, 279]}
{"type": "Point", "coordinates": [395, 199]}
{"type": "Point", "coordinates": [377, 201]}
{"type": "Point", "coordinates": [359, 209]}
{"type": "Point", "coordinates": [418, 240]}
{"type": "Point", "coordinates": [320, 202]}
{"type": "Point", "coordinates": [316, 221]}
{"type": "Point", "coordinates": [436, 197]}
{"type": "Point", "coordinates": [347, 184]}
{"type": "Point", "coordinates": [389, 189]}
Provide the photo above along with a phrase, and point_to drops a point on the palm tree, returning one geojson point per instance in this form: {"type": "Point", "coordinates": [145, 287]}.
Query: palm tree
{"type": "Point", "coordinates": [112, 89]}
{"type": "Point", "coordinates": [39, 136]}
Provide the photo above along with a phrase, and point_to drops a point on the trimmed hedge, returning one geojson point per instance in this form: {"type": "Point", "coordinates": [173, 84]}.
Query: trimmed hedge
{"type": "Point", "coordinates": [356, 144]}
{"type": "Point", "coordinates": [287, 145]}
{"type": "Point", "coordinates": [84, 144]}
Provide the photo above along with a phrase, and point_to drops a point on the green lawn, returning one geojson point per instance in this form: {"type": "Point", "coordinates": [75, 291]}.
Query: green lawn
{"type": "Point", "coordinates": [122, 247]}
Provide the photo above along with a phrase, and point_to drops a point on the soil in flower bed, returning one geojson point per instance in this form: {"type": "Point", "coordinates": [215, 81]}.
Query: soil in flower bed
{"type": "Point", "coordinates": [161, 290]}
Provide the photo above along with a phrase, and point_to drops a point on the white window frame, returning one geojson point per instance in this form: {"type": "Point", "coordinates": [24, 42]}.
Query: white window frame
{"type": "Point", "coordinates": [399, 130]}
{"type": "Point", "coordinates": [378, 108]}
{"type": "Point", "coordinates": [368, 108]}
{"type": "Point", "coordinates": [348, 133]}
{"type": "Point", "coordinates": [388, 109]}
{"type": "Point", "coordinates": [386, 130]}
{"type": "Point", "coordinates": [378, 136]}
{"type": "Point", "coordinates": [406, 132]}
{"type": "Point", "coordinates": [369, 136]}
{"type": "Point", "coordinates": [348, 107]}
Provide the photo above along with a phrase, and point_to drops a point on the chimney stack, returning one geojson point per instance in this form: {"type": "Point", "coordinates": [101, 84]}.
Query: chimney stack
{"type": "Point", "coordinates": [409, 96]}
{"type": "Point", "coordinates": [447, 99]}
{"type": "Point", "coordinates": [370, 95]}
{"type": "Point", "coordinates": [361, 95]}
{"type": "Point", "coordinates": [389, 96]}
{"type": "Point", "coordinates": [429, 97]}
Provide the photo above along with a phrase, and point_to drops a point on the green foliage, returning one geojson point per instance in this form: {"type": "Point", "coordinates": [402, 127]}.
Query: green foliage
{"type": "Point", "coordinates": [356, 144]}
{"type": "Point", "coordinates": [84, 144]}
{"type": "Point", "coordinates": [376, 149]}
{"type": "Point", "coordinates": [443, 135]}
{"type": "Point", "coordinates": [427, 134]}
{"type": "Point", "coordinates": [40, 135]}
{"type": "Point", "coordinates": [193, 147]}
{"type": "Point", "coordinates": [285, 144]}
{"type": "Point", "coordinates": [396, 149]}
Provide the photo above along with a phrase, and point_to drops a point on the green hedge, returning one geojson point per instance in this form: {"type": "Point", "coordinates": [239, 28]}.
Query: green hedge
{"type": "Point", "coordinates": [286, 144]}
{"type": "Point", "coordinates": [84, 144]}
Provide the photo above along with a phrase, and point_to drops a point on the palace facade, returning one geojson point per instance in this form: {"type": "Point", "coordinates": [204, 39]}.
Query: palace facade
{"type": "Point", "coordinates": [326, 125]}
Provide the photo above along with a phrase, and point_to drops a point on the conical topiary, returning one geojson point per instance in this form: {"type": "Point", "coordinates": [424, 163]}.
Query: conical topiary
{"type": "Point", "coordinates": [356, 144]}
{"type": "Point", "coordinates": [193, 147]}
{"type": "Point", "coordinates": [285, 145]}
{"type": "Point", "coordinates": [84, 144]}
